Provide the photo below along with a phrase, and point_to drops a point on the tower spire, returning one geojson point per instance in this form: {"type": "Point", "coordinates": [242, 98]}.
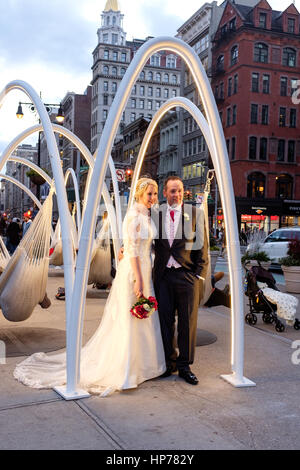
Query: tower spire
{"type": "Point", "coordinates": [112, 5]}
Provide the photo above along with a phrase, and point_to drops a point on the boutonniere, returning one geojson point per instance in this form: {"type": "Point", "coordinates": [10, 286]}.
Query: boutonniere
{"type": "Point", "coordinates": [186, 216]}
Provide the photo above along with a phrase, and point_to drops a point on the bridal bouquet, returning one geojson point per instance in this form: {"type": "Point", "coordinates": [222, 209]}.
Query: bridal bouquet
{"type": "Point", "coordinates": [144, 308]}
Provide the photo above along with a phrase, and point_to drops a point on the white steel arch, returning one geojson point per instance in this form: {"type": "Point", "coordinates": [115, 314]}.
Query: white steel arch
{"type": "Point", "coordinates": [223, 175]}
{"type": "Point", "coordinates": [71, 172]}
{"type": "Point", "coordinates": [23, 187]}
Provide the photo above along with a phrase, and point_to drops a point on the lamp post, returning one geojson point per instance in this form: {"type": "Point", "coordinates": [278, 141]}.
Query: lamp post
{"type": "Point", "coordinates": [59, 118]}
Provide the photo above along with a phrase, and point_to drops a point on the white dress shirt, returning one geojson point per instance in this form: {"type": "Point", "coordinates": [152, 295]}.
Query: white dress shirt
{"type": "Point", "coordinates": [168, 221]}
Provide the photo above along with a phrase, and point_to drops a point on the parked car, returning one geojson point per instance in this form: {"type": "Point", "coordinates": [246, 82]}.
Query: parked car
{"type": "Point", "coordinates": [275, 245]}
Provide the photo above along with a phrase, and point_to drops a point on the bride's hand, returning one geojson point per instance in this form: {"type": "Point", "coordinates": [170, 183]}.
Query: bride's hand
{"type": "Point", "coordinates": [138, 288]}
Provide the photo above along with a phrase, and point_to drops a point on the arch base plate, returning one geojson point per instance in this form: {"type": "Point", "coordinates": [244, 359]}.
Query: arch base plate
{"type": "Point", "coordinates": [75, 395]}
{"type": "Point", "coordinates": [237, 382]}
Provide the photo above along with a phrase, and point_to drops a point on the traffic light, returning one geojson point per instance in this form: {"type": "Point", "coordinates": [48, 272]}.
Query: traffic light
{"type": "Point", "coordinates": [188, 195]}
{"type": "Point", "coordinates": [220, 216]}
{"type": "Point", "coordinates": [129, 174]}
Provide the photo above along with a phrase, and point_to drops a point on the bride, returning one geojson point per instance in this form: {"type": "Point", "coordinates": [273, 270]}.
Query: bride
{"type": "Point", "coordinates": [124, 351]}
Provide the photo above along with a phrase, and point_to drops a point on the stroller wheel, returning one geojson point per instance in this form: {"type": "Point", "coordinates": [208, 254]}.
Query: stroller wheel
{"type": "Point", "coordinates": [297, 324]}
{"type": "Point", "coordinates": [279, 327]}
{"type": "Point", "coordinates": [267, 318]}
{"type": "Point", "coordinates": [251, 319]}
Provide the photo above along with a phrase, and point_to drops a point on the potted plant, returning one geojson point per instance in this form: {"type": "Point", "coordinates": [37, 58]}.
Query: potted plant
{"type": "Point", "coordinates": [255, 258]}
{"type": "Point", "coordinates": [214, 252]}
{"type": "Point", "coordinates": [35, 177]}
{"type": "Point", "coordinates": [290, 266]}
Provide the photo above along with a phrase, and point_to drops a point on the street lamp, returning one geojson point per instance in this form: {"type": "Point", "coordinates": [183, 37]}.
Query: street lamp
{"type": "Point", "coordinates": [59, 118]}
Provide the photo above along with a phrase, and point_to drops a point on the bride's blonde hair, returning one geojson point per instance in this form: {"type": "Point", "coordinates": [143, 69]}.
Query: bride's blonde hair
{"type": "Point", "coordinates": [142, 186]}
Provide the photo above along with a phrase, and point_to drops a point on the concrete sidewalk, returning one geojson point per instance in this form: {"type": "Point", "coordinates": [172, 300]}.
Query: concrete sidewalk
{"type": "Point", "coordinates": [162, 413]}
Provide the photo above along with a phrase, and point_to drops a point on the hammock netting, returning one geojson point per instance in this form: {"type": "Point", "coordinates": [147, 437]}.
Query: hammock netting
{"type": "Point", "coordinates": [24, 280]}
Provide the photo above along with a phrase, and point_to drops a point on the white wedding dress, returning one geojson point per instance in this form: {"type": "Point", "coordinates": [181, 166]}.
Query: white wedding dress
{"type": "Point", "coordinates": [124, 351]}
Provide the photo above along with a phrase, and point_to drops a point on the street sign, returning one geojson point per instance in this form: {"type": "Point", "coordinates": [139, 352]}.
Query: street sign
{"type": "Point", "coordinates": [120, 174]}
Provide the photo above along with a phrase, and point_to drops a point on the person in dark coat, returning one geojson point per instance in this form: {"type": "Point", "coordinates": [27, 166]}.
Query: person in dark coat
{"type": "Point", "coordinates": [13, 234]}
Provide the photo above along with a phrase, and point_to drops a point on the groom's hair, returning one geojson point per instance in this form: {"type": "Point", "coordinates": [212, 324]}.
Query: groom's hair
{"type": "Point", "coordinates": [171, 178]}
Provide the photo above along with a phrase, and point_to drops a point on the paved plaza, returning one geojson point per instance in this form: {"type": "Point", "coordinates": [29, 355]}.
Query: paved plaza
{"type": "Point", "coordinates": [160, 414]}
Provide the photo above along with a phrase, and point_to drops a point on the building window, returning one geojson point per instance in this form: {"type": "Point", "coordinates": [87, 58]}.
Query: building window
{"type": "Point", "coordinates": [104, 114]}
{"type": "Point", "coordinates": [142, 104]}
{"type": "Point", "coordinates": [105, 38]}
{"type": "Point", "coordinates": [255, 82]}
{"type": "Point", "coordinates": [220, 63]}
{"type": "Point", "coordinates": [105, 70]}
{"type": "Point", "coordinates": [105, 86]}
{"type": "Point", "coordinates": [157, 77]}
{"type": "Point", "coordinates": [114, 38]}
{"type": "Point", "coordinates": [265, 114]}
{"type": "Point", "coordinates": [171, 62]}
{"type": "Point", "coordinates": [254, 114]}
{"type": "Point", "coordinates": [228, 119]}
{"type": "Point", "coordinates": [174, 93]}
{"type": "Point", "coordinates": [149, 104]}
{"type": "Point", "coordinates": [105, 100]}
{"type": "Point", "coordinates": [235, 84]}
{"type": "Point", "coordinates": [133, 102]}
{"type": "Point", "coordinates": [281, 150]}
{"type": "Point", "coordinates": [123, 70]}
{"type": "Point", "coordinates": [282, 117]}
{"type": "Point", "coordinates": [291, 25]}
{"type": "Point", "coordinates": [289, 57]}
{"type": "Point", "coordinates": [150, 91]}
{"type": "Point", "coordinates": [234, 114]}
{"type": "Point", "coordinates": [132, 117]}
{"type": "Point", "coordinates": [115, 55]}
{"type": "Point", "coordinates": [263, 20]}
{"type": "Point", "coordinates": [157, 105]}
{"type": "Point", "coordinates": [266, 84]}
{"type": "Point", "coordinates": [150, 76]}
{"type": "Point", "coordinates": [142, 75]}
{"type": "Point", "coordinates": [294, 85]}
{"type": "Point", "coordinates": [114, 71]}
{"type": "Point", "coordinates": [284, 187]}
{"type": "Point", "coordinates": [174, 79]}
{"type": "Point", "coordinates": [256, 185]}
{"type": "Point", "coordinates": [106, 54]}
{"type": "Point", "coordinates": [263, 148]}
{"type": "Point", "coordinates": [232, 24]}
{"type": "Point", "coordinates": [158, 92]}
{"type": "Point", "coordinates": [291, 151]}
{"type": "Point", "coordinates": [142, 90]}
{"type": "Point", "coordinates": [155, 60]}
{"type": "Point", "coordinates": [114, 87]}
{"type": "Point", "coordinates": [229, 86]}
{"type": "Point", "coordinates": [166, 78]}
{"type": "Point", "coordinates": [233, 142]}
{"type": "Point", "coordinates": [252, 148]}
{"type": "Point", "coordinates": [123, 57]}
{"type": "Point", "coordinates": [261, 53]}
{"type": "Point", "coordinates": [234, 54]}
{"type": "Point", "coordinates": [293, 117]}
{"type": "Point", "coordinates": [283, 86]}
{"type": "Point", "coordinates": [166, 93]}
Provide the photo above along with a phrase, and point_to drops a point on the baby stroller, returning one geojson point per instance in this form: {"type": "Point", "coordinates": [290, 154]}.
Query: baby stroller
{"type": "Point", "coordinates": [258, 303]}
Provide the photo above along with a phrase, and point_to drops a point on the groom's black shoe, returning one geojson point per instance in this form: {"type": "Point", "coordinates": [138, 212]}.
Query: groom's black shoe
{"type": "Point", "coordinates": [169, 371]}
{"type": "Point", "coordinates": [188, 376]}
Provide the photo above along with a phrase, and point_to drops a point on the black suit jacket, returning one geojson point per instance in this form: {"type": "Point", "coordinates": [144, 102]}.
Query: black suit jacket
{"type": "Point", "coordinates": [187, 247]}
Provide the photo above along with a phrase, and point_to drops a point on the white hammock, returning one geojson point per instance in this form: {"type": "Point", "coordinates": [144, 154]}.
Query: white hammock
{"type": "Point", "coordinates": [56, 249]}
{"type": "Point", "coordinates": [100, 268]}
{"type": "Point", "coordinates": [4, 256]}
{"type": "Point", "coordinates": [24, 280]}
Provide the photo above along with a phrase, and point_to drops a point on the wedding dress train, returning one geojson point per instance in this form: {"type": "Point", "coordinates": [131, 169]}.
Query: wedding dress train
{"type": "Point", "coordinates": [124, 351]}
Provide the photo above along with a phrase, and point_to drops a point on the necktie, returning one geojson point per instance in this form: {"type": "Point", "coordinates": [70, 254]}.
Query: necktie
{"type": "Point", "coordinates": [171, 227]}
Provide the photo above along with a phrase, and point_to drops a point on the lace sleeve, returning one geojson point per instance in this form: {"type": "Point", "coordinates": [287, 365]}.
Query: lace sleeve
{"type": "Point", "coordinates": [132, 234]}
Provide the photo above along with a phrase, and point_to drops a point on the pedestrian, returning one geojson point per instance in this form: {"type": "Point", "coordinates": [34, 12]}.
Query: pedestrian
{"type": "Point", "coordinates": [13, 234]}
{"type": "Point", "coordinates": [27, 222]}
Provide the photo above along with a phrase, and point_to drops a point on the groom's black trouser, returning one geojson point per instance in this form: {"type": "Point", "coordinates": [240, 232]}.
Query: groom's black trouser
{"type": "Point", "coordinates": [178, 290]}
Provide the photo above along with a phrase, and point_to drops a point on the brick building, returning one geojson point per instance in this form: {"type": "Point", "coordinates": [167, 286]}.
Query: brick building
{"type": "Point", "coordinates": [256, 65]}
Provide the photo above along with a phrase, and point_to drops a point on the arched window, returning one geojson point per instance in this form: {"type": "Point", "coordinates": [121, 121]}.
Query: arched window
{"type": "Point", "coordinates": [105, 70]}
{"type": "Point", "coordinates": [174, 79]}
{"type": "Point", "coordinates": [289, 57]}
{"type": "Point", "coordinates": [234, 54]}
{"type": "Point", "coordinates": [142, 75]}
{"type": "Point", "coordinates": [256, 184]}
{"type": "Point", "coordinates": [166, 77]}
{"type": "Point", "coordinates": [220, 63]}
{"type": "Point", "coordinates": [123, 70]}
{"type": "Point", "coordinates": [158, 77]}
{"type": "Point", "coordinates": [261, 52]}
{"type": "Point", "coordinates": [114, 71]}
{"type": "Point", "coordinates": [107, 21]}
{"type": "Point", "coordinates": [284, 186]}
{"type": "Point", "coordinates": [150, 76]}
{"type": "Point", "coordinates": [114, 20]}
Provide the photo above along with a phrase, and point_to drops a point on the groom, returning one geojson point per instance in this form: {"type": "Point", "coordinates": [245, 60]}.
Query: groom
{"type": "Point", "coordinates": [177, 269]}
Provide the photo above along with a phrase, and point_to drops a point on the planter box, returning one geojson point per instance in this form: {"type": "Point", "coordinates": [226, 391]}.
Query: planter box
{"type": "Point", "coordinates": [213, 260]}
{"type": "Point", "coordinates": [292, 278]}
{"type": "Point", "coordinates": [254, 262]}
{"type": "Point", "coordinates": [37, 179]}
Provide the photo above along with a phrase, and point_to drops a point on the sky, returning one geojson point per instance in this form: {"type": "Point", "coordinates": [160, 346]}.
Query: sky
{"type": "Point", "coordinates": [49, 44]}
